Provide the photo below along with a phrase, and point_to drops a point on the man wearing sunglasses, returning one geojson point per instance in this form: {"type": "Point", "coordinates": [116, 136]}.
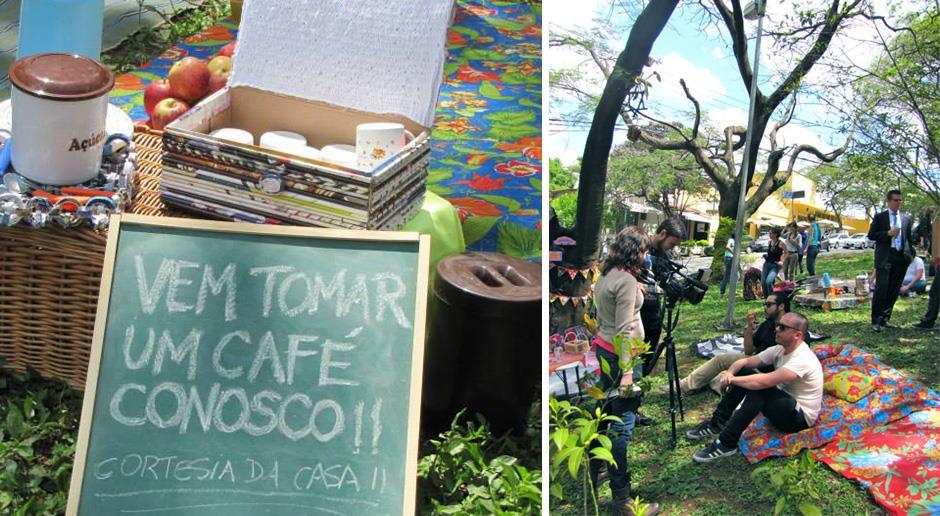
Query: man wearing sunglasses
{"type": "Point", "coordinates": [790, 396]}
{"type": "Point", "coordinates": [755, 341]}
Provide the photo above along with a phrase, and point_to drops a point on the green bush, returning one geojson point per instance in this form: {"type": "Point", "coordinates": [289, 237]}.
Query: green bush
{"type": "Point", "coordinates": [467, 472]}
{"type": "Point", "coordinates": [725, 231]}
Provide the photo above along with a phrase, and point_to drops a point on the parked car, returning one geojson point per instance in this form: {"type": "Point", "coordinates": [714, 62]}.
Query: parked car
{"type": "Point", "coordinates": [838, 239]}
{"type": "Point", "coordinates": [859, 241]}
{"type": "Point", "coordinates": [760, 244]}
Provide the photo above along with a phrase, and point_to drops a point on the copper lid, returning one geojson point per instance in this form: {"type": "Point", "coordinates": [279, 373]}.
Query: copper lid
{"type": "Point", "coordinates": [489, 283]}
{"type": "Point", "coordinates": [67, 77]}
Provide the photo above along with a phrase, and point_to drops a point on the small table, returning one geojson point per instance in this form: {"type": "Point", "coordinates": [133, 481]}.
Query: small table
{"type": "Point", "coordinates": [566, 361]}
{"type": "Point", "coordinates": [830, 303]}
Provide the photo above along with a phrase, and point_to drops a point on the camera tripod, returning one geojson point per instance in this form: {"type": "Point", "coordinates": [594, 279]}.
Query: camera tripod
{"type": "Point", "coordinates": [672, 368]}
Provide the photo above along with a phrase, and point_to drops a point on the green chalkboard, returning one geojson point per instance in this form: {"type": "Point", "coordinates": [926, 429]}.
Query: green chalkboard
{"type": "Point", "coordinates": [241, 369]}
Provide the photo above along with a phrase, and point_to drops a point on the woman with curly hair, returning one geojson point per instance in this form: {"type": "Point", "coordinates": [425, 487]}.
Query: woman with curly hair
{"type": "Point", "coordinates": [618, 299]}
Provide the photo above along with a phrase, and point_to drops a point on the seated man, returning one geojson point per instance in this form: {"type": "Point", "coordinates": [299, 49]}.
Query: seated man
{"type": "Point", "coordinates": [790, 397]}
{"type": "Point", "coordinates": [915, 281]}
{"type": "Point", "coordinates": [755, 341]}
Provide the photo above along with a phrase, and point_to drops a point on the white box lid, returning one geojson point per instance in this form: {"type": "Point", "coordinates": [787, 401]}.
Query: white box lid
{"type": "Point", "coordinates": [377, 56]}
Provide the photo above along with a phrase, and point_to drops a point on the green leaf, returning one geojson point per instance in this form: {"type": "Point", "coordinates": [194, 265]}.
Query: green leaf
{"type": "Point", "coordinates": [501, 200]}
{"type": "Point", "coordinates": [479, 54]}
{"type": "Point", "coordinates": [603, 453]}
{"type": "Point", "coordinates": [596, 393]}
{"type": "Point", "coordinates": [808, 509]}
{"type": "Point", "coordinates": [450, 68]}
{"type": "Point", "coordinates": [528, 102]}
{"type": "Point", "coordinates": [524, 116]}
{"type": "Point", "coordinates": [560, 436]}
{"type": "Point", "coordinates": [574, 462]}
{"type": "Point", "coordinates": [476, 227]}
{"type": "Point", "coordinates": [536, 183]}
{"type": "Point", "coordinates": [440, 190]}
{"type": "Point", "coordinates": [519, 241]}
{"type": "Point", "coordinates": [14, 420]}
{"type": "Point", "coordinates": [437, 175]}
{"type": "Point", "coordinates": [780, 506]}
{"type": "Point", "coordinates": [488, 90]}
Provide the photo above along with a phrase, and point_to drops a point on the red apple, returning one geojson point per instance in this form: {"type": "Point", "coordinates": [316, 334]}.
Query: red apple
{"type": "Point", "coordinates": [228, 50]}
{"type": "Point", "coordinates": [166, 111]}
{"type": "Point", "coordinates": [155, 92]}
{"type": "Point", "coordinates": [220, 64]}
{"type": "Point", "coordinates": [217, 81]}
{"type": "Point", "coordinates": [189, 79]}
{"type": "Point", "coordinates": [220, 68]}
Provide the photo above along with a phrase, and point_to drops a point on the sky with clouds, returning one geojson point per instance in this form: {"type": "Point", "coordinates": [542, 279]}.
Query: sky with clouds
{"type": "Point", "coordinates": [704, 59]}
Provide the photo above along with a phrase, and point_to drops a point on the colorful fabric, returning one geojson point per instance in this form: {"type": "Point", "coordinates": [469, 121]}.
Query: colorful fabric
{"type": "Point", "coordinates": [486, 141]}
{"type": "Point", "coordinates": [849, 385]}
{"type": "Point", "coordinates": [121, 19]}
{"type": "Point", "coordinates": [487, 145]}
{"type": "Point", "coordinates": [898, 462]}
{"type": "Point", "coordinates": [895, 397]}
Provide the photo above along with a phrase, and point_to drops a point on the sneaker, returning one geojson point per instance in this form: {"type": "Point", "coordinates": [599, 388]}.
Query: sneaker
{"type": "Point", "coordinates": [644, 420]}
{"type": "Point", "coordinates": [706, 429]}
{"type": "Point", "coordinates": [922, 326]}
{"type": "Point", "coordinates": [714, 451]}
{"type": "Point", "coordinates": [876, 328]}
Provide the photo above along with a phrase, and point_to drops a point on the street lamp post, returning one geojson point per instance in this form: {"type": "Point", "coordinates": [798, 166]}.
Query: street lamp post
{"type": "Point", "coordinates": [754, 9]}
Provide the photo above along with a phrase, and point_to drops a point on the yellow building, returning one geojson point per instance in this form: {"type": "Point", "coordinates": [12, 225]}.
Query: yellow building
{"type": "Point", "coordinates": [702, 214]}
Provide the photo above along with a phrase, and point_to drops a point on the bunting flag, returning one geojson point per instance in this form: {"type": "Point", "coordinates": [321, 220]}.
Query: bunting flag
{"type": "Point", "coordinates": [586, 273]}
{"type": "Point", "coordinates": [574, 300]}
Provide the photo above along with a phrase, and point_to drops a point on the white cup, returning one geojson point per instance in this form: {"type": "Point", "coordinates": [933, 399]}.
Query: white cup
{"type": "Point", "coordinates": [234, 135]}
{"type": "Point", "coordinates": [284, 141]}
{"type": "Point", "coordinates": [340, 154]}
{"type": "Point", "coordinates": [377, 142]}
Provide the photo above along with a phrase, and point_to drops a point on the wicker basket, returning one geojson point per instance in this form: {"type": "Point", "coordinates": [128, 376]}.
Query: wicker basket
{"type": "Point", "coordinates": [49, 281]}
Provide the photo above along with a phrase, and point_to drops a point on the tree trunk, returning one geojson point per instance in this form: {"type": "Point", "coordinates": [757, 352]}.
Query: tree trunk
{"type": "Point", "coordinates": [593, 178]}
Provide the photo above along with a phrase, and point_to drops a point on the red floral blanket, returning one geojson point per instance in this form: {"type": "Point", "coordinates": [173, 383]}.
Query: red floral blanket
{"type": "Point", "coordinates": [896, 397]}
{"type": "Point", "coordinates": [898, 462]}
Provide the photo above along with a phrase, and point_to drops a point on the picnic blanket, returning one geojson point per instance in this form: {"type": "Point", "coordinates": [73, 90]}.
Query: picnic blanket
{"type": "Point", "coordinates": [121, 19]}
{"type": "Point", "coordinates": [486, 141]}
{"type": "Point", "coordinates": [898, 462]}
{"type": "Point", "coordinates": [896, 397]}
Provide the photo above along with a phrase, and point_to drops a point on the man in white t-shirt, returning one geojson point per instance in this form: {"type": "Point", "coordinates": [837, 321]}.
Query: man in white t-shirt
{"type": "Point", "coordinates": [914, 279]}
{"type": "Point", "coordinates": [790, 396]}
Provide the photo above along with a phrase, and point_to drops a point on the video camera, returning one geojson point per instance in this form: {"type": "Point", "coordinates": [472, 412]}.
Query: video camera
{"type": "Point", "coordinates": [677, 286]}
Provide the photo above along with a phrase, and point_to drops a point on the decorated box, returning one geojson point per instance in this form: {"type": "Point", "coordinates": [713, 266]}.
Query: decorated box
{"type": "Point", "coordinates": [319, 68]}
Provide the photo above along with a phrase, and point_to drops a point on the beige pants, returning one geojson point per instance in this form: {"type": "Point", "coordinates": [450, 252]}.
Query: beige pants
{"type": "Point", "coordinates": [707, 373]}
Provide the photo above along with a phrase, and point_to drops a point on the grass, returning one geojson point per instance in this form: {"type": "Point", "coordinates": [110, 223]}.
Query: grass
{"type": "Point", "coordinates": [680, 486]}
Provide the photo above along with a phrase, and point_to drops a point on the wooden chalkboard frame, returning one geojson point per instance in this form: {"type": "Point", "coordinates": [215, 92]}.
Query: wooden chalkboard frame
{"type": "Point", "coordinates": [104, 295]}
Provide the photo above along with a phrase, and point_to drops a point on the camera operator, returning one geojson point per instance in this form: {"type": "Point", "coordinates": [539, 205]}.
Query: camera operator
{"type": "Point", "coordinates": [668, 235]}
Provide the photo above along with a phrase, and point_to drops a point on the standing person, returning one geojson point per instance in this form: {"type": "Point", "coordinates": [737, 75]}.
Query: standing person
{"type": "Point", "coordinates": [619, 299]}
{"type": "Point", "coordinates": [891, 231]}
{"type": "Point", "coordinates": [793, 249]}
{"type": "Point", "coordinates": [812, 249]}
{"type": "Point", "coordinates": [933, 304]}
{"type": "Point", "coordinates": [729, 261]}
{"type": "Point", "coordinates": [924, 231]}
{"type": "Point", "coordinates": [755, 341]}
{"type": "Point", "coordinates": [790, 396]}
{"type": "Point", "coordinates": [804, 243]}
{"type": "Point", "coordinates": [776, 253]}
{"type": "Point", "coordinates": [669, 234]}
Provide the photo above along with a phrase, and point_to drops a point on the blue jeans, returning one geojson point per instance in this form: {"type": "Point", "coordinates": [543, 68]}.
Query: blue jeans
{"type": "Point", "coordinates": [920, 286]}
{"type": "Point", "coordinates": [811, 253]}
{"type": "Point", "coordinates": [726, 277]}
{"type": "Point", "coordinates": [767, 277]}
{"type": "Point", "coordinates": [621, 431]}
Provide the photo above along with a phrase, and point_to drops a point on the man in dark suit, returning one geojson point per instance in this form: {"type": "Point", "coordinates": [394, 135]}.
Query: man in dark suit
{"type": "Point", "coordinates": [891, 231]}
